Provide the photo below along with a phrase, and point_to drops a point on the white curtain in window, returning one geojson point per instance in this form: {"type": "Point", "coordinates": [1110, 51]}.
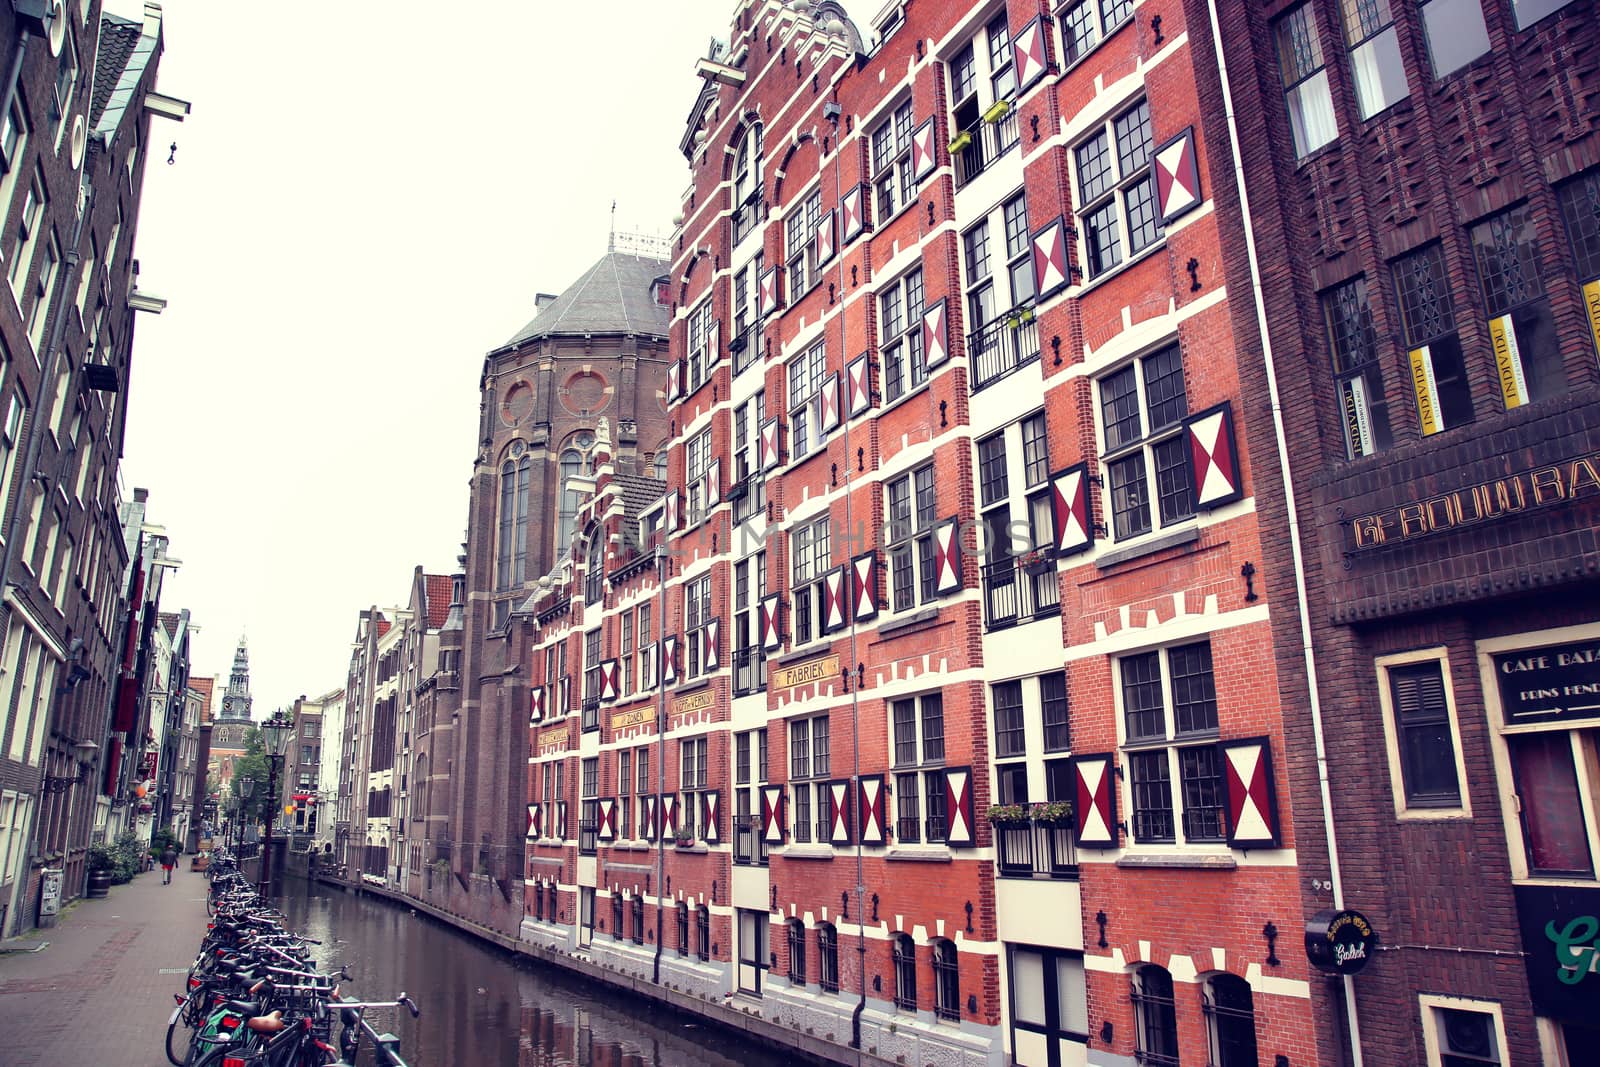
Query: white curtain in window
{"type": "Point", "coordinates": [1311, 114]}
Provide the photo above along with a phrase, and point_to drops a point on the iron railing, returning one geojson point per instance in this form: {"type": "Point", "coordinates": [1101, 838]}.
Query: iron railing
{"type": "Point", "coordinates": [1016, 591]}
{"type": "Point", "coordinates": [749, 843]}
{"type": "Point", "coordinates": [998, 348]}
{"type": "Point", "coordinates": [749, 670]}
{"type": "Point", "coordinates": [987, 142]}
{"type": "Point", "coordinates": [1036, 850]}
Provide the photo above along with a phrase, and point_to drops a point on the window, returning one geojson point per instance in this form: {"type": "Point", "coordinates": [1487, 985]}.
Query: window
{"type": "Point", "coordinates": [1375, 64]}
{"type": "Point", "coordinates": [1462, 1033]}
{"type": "Point", "coordinates": [38, 320]}
{"type": "Point", "coordinates": [891, 162]}
{"type": "Point", "coordinates": [1019, 577]}
{"type": "Point", "coordinates": [702, 925]}
{"type": "Point", "coordinates": [591, 679]}
{"type": "Point", "coordinates": [1117, 191]}
{"type": "Point", "coordinates": [800, 229]}
{"type": "Point", "coordinates": [1354, 342]}
{"type": "Point", "coordinates": [1580, 210]}
{"type": "Point", "coordinates": [638, 920]}
{"type": "Point", "coordinates": [918, 729]}
{"type": "Point", "coordinates": [808, 759]}
{"type": "Point", "coordinates": [571, 500]}
{"type": "Point", "coordinates": [1530, 11]}
{"type": "Point", "coordinates": [683, 929]}
{"type": "Point", "coordinates": [1142, 407]}
{"type": "Point", "coordinates": [692, 780]}
{"type": "Point", "coordinates": [647, 651]}
{"type": "Point", "coordinates": [1169, 708]}
{"type": "Point", "coordinates": [1438, 372]}
{"type": "Point", "coordinates": [10, 438]}
{"type": "Point", "coordinates": [1521, 327]}
{"type": "Point", "coordinates": [1231, 1017]}
{"type": "Point", "coordinates": [747, 183]}
{"type": "Point", "coordinates": [65, 86]}
{"type": "Point", "coordinates": [747, 343]}
{"type": "Point", "coordinates": [1456, 33]}
{"type": "Point", "coordinates": [616, 916]}
{"type": "Point", "coordinates": [624, 791]}
{"type": "Point", "coordinates": [749, 774]}
{"type": "Point", "coordinates": [828, 958]}
{"type": "Point", "coordinates": [904, 951]}
{"type": "Point", "coordinates": [809, 547]}
{"type": "Point", "coordinates": [1424, 742]}
{"type": "Point", "coordinates": [1555, 828]}
{"type": "Point", "coordinates": [1155, 1030]}
{"type": "Point", "coordinates": [750, 493]}
{"type": "Point", "coordinates": [625, 657]}
{"type": "Point", "coordinates": [701, 355]}
{"type": "Point", "coordinates": [752, 949]}
{"type": "Point", "coordinates": [13, 139]}
{"type": "Point", "coordinates": [1004, 335]}
{"type": "Point", "coordinates": [697, 614]}
{"type": "Point", "coordinates": [749, 659]}
{"type": "Point", "coordinates": [697, 473]}
{"type": "Point", "coordinates": [910, 506]}
{"type": "Point", "coordinates": [1085, 22]}
{"type": "Point", "coordinates": [806, 372]}
{"type": "Point", "coordinates": [1305, 82]}
{"type": "Point", "coordinates": [900, 335]}
{"type": "Point", "coordinates": [946, 981]}
{"type": "Point", "coordinates": [1048, 995]}
{"type": "Point", "coordinates": [594, 570]}
{"type": "Point", "coordinates": [24, 236]}
{"type": "Point", "coordinates": [797, 952]}
{"type": "Point", "coordinates": [981, 78]}
{"type": "Point", "coordinates": [585, 915]}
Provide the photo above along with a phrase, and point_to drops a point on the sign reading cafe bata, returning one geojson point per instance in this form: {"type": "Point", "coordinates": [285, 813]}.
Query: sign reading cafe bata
{"type": "Point", "coordinates": [1551, 683]}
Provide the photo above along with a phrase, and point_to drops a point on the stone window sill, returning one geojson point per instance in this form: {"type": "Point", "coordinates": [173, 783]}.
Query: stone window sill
{"type": "Point", "coordinates": [1205, 861]}
{"type": "Point", "coordinates": [1149, 546]}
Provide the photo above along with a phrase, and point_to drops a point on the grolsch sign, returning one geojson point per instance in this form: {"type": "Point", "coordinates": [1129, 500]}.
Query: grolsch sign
{"type": "Point", "coordinates": [1340, 942]}
{"type": "Point", "coordinates": [1561, 937]}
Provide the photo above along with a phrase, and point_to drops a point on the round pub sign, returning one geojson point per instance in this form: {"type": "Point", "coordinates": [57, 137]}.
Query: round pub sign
{"type": "Point", "coordinates": [1340, 942]}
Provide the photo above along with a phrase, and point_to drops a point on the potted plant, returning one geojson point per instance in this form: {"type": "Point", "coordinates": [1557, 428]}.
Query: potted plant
{"type": "Point", "coordinates": [685, 839]}
{"type": "Point", "coordinates": [1035, 561]}
{"type": "Point", "coordinates": [102, 868]}
{"type": "Point", "coordinates": [1054, 813]}
{"type": "Point", "coordinates": [1008, 815]}
{"type": "Point", "coordinates": [996, 111]}
{"type": "Point", "coordinates": [960, 141]}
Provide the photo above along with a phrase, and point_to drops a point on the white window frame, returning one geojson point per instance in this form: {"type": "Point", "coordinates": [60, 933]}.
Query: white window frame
{"type": "Point", "coordinates": [1430, 1003]}
{"type": "Point", "coordinates": [1144, 445]}
{"type": "Point", "coordinates": [803, 376]}
{"type": "Point", "coordinates": [1312, 87]}
{"type": "Point", "coordinates": [799, 243]}
{"type": "Point", "coordinates": [34, 204]}
{"type": "Point", "coordinates": [747, 420]}
{"type": "Point", "coordinates": [916, 538]}
{"type": "Point", "coordinates": [698, 345]}
{"type": "Point", "coordinates": [1391, 735]}
{"type": "Point", "coordinates": [813, 785]}
{"type": "Point", "coordinates": [697, 456]}
{"type": "Point", "coordinates": [928, 770]}
{"type": "Point", "coordinates": [1122, 182]}
{"type": "Point", "coordinates": [699, 608]}
{"type": "Point", "coordinates": [889, 157]}
{"type": "Point", "coordinates": [1102, 23]}
{"type": "Point", "coordinates": [899, 328]}
{"type": "Point", "coordinates": [804, 541]}
{"type": "Point", "coordinates": [693, 783]}
{"type": "Point", "coordinates": [1171, 744]}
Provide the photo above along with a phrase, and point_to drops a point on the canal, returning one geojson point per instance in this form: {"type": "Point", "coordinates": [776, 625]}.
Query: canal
{"type": "Point", "coordinates": [480, 1006]}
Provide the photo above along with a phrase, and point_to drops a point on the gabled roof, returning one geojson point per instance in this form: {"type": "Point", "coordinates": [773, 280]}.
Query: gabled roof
{"type": "Point", "coordinates": [118, 75]}
{"type": "Point", "coordinates": [615, 296]}
{"type": "Point", "coordinates": [437, 589]}
{"type": "Point", "coordinates": [637, 492]}
{"type": "Point", "coordinates": [118, 37]}
{"type": "Point", "coordinates": [169, 622]}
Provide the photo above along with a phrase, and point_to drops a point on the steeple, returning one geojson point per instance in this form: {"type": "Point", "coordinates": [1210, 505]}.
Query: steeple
{"type": "Point", "coordinates": [236, 701]}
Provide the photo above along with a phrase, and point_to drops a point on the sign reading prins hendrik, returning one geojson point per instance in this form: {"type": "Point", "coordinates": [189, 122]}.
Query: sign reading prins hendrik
{"type": "Point", "coordinates": [1550, 683]}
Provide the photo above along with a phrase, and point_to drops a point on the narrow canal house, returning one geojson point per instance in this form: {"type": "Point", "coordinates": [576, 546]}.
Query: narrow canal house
{"type": "Point", "coordinates": [1428, 220]}
{"type": "Point", "coordinates": [959, 511]}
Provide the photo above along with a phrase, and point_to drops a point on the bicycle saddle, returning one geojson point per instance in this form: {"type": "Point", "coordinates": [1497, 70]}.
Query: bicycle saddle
{"type": "Point", "coordinates": [267, 1024]}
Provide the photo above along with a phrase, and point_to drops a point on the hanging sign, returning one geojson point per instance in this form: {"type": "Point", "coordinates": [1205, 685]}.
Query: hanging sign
{"type": "Point", "coordinates": [1551, 683]}
{"type": "Point", "coordinates": [1340, 942]}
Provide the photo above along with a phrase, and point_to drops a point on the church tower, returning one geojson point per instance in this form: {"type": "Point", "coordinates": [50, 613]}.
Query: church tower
{"type": "Point", "coordinates": [230, 727]}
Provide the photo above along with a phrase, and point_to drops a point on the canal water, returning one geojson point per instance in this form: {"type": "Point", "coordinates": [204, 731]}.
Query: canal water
{"type": "Point", "coordinates": [481, 1006]}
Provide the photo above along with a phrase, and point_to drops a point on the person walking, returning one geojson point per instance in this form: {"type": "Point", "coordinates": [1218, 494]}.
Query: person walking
{"type": "Point", "coordinates": [169, 860]}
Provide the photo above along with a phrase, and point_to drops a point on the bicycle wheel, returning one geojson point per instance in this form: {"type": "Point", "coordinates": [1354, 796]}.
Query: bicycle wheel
{"type": "Point", "coordinates": [180, 1033]}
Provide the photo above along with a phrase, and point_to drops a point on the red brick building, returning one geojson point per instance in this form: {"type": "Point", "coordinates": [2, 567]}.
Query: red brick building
{"type": "Point", "coordinates": [1424, 192]}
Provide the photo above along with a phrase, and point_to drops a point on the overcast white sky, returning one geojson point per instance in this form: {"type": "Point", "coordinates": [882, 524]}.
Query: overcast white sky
{"type": "Point", "coordinates": [364, 201]}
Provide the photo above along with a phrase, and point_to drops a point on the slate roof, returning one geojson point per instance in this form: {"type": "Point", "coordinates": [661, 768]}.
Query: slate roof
{"type": "Point", "coordinates": [637, 492]}
{"type": "Point", "coordinates": [613, 296]}
{"type": "Point", "coordinates": [118, 36]}
{"type": "Point", "coordinates": [438, 592]}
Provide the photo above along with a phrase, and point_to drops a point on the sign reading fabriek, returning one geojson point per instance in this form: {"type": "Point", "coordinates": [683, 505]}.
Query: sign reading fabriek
{"type": "Point", "coordinates": [1557, 483]}
{"type": "Point", "coordinates": [1550, 683]}
{"type": "Point", "coordinates": [812, 670]}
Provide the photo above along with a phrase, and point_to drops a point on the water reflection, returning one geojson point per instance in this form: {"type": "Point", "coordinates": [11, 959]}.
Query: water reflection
{"type": "Point", "coordinates": [481, 1006]}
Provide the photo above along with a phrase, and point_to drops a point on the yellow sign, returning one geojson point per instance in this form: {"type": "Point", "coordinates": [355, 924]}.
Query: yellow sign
{"type": "Point", "coordinates": [552, 734]}
{"type": "Point", "coordinates": [1508, 362]}
{"type": "Point", "coordinates": [695, 702]}
{"type": "Point", "coordinates": [812, 670]}
{"type": "Point", "coordinates": [1591, 303]}
{"type": "Point", "coordinates": [1427, 391]}
{"type": "Point", "coordinates": [637, 717]}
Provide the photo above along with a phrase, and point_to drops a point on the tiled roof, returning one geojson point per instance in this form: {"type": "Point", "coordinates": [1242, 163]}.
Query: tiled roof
{"type": "Point", "coordinates": [117, 39]}
{"type": "Point", "coordinates": [637, 492]}
{"type": "Point", "coordinates": [438, 606]}
{"type": "Point", "coordinates": [203, 686]}
{"type": "Point", "coordinates": [384, 626]}
{"type": "Point", "coordinates": [613, 296]}
{"type": "Point", "coordinates": [169, 622]}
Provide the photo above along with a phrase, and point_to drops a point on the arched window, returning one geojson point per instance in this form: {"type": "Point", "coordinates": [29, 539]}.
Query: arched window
{"type": "Point", "coordinates": [567, 514]}
{"type": "Point", "coordinates": [683, 929]}
{"type": "Point", "coordinates": [592, 572]}
{"type": "Point", "coordinates": [905, 972]}
{"type": "Point", "coordinates": [747, 183]}
{"type": "Point", "coordinates": [658, 466]}
{"type": "Point", "coordinates": [511, 563]}
{"type": "Point", "coordinates": [828, 958]}
{"type": "Point", "coordinates": [797, 952]}
{"type": "Point", "coordinates": [616, 916]}
{"type": "Point", "coordinates": [1230, 1010]}
{"type": "Point", "coordinates": [638, 920]}
{"type": "Point", "coordinates": [946, 981]}
{"type": "Point", "coordinates": [1156, 1025]}
{"type": "Point", "coordinates": [702, 922]}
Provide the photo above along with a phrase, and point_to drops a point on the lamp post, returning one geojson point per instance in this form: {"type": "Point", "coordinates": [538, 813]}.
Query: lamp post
{"type": "Point", "coordinates": [247, 786]}
{"type": "Point", "coordinates": [275, 735]}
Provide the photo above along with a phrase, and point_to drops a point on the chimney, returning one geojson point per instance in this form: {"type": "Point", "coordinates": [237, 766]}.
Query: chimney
{"type": "Point", "coordinates": [543, 300]}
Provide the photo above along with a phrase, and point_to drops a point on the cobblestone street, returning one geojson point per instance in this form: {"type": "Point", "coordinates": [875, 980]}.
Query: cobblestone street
{"type": "Point", "coordinates": [101, 989]}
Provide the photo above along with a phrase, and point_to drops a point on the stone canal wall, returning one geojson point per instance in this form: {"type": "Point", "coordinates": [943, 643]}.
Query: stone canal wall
{"type": "Point", "coordinates": [734, 1013]}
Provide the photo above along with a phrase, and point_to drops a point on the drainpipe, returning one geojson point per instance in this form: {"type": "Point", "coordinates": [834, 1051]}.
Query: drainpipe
{"type": "Point", "coordinates": [1335, 875]}
{"type": "Point", "coordinates": [662, 567]}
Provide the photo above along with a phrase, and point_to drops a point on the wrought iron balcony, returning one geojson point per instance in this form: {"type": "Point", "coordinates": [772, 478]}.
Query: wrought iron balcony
{"type": "Point", "coordinates": [999, 347]}
{"type": "Point", "coordinates": [976, 148]}
{"type": "Point", "coordinates": [1017, 589]}
{"type": "Point", "coordinates": [587, 836]}
{"type": "Point", "coordinates": [749, 671]}
{"type": "Point", "coordinates": [749, 845]}
{"type": "Point", "coordinates": [1036, 850]}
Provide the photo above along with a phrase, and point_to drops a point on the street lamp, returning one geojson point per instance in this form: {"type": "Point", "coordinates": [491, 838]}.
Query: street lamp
{"type": "Point", "coordinates": [247, 786]}
{"type": "Point", "coordinates": [275, 733]}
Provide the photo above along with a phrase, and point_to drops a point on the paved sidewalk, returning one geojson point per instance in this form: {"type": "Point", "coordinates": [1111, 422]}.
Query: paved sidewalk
{"type": "Point", "coordinates": [96, 994]}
